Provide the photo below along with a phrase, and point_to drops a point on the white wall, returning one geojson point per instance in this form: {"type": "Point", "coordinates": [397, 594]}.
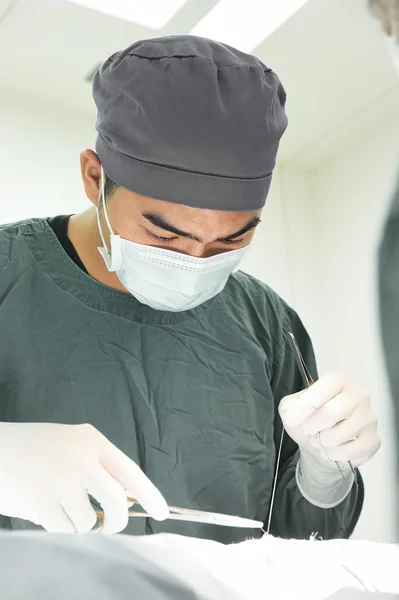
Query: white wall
{"type": "Point", "coordinates": [348, 199]}
{"type": "Point", "coordinates": [39, 158]}
{"type": "Point", "coordinates": [269, 257]}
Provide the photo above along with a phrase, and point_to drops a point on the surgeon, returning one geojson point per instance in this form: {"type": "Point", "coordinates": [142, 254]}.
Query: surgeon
{"type": "Point", "coordinates": [136, 359]}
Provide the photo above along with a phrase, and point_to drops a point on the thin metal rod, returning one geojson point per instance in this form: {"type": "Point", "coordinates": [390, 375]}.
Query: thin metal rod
{"type": "Point", "coordinates": [275, 482]}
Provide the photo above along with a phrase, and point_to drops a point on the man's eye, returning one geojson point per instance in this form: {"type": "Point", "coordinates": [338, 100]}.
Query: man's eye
{"type": "Point", "coordinates": [238, 242]}
{"type": "Point", "coordinates": [160, 238]}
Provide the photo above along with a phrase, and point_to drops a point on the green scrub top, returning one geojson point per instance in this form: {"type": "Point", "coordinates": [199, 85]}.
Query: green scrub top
{"type": "Point", "coordinates": [191, 397]}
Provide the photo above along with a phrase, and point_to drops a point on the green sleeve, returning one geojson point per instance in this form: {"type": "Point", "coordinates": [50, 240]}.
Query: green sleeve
{"type": "Point", "coordinates": [293, 516]}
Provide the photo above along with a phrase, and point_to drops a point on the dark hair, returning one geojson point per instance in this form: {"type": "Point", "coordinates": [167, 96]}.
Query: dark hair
{"type": "Point", "coordinates": [110, 187]}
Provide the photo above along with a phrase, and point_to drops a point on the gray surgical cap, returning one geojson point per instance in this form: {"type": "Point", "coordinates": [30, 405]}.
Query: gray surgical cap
{"type": "Point", "coordinates": [191, 121]}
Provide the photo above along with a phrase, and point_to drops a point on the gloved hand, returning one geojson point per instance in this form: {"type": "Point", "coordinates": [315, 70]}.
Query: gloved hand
{"type": "Point", "coordinates": [333, 420]}
{"type": "Point", "coordinates": [47, 471]}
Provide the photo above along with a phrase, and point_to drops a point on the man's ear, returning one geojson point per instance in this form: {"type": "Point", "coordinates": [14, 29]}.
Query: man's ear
{"type": "Point", "coordinates": [90, 167]}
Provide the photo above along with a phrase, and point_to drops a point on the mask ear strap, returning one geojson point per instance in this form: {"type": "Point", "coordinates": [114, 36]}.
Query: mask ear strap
{"type": "Point", "coordinates": [101, 199]}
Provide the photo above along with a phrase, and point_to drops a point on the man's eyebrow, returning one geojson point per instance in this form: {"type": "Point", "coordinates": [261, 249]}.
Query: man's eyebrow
{"type": "Point", "coordinates": [254, 222]}
{"type": "Point", "coordinates": [159, 221]}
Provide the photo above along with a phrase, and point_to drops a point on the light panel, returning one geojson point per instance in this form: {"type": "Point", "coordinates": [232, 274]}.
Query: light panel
{"type": "Point", "coordinates": [150, 13]}
{"type": "Point", "coordinates": [245, 24]}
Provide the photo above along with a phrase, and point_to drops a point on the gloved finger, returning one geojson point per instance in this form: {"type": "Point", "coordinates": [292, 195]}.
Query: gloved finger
{"type": "Point", "coordinates": [316, 396]}
{"type": "Point", "coordinates": [112, 498]}
{"type": "Point", "coordinates": [54, 519]}
{"type": "Point", "coordinates": [132, 478]}
{"type": "Point", "coordinates": [367, 444]}
{"type": "Point", "coordinates": [77, 506]}
{"type": "Point", "coordinates": [337, 410]}
{"type": "Point", "coordinates": [289, 404]}
{"type": "Point", "coordinates": [347, 429]}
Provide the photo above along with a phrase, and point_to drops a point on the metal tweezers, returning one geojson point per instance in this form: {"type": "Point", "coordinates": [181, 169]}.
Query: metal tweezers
{"type": "Point", "coordinates": [307, 378]}
{"type": "Point", "coordinates": [185, 514]}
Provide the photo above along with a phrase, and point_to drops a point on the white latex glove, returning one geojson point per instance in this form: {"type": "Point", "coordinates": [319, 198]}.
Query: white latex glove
{"type": "Point", "coordinates": [333, 420]}
{"type": "Point", "coordinates": [47, 471]}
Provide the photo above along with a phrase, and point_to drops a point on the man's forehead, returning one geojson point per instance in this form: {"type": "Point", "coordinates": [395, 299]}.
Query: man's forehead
{"type": "Point", "coordinates": [201, 225]}
{"type": "Point", "coordinates": [173, 211]}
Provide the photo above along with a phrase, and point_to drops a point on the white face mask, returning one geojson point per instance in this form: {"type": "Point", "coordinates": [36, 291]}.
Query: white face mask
{"type": "Point", "coordinates": [163, 279]}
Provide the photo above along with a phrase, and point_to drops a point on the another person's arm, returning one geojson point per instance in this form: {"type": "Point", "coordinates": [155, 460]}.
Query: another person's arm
{"type": "Point", "coordinates": [388, 262]}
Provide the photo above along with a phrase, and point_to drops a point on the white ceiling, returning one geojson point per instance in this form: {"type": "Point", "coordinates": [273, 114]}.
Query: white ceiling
{"type": "Point", "coordinates": [330, 56]}
{"type": "Point", "coordinates": [340, 81]}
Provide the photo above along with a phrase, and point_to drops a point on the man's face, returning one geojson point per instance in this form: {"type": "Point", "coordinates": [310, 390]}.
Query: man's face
{"type": "Point", "coordinates": [193, 231]}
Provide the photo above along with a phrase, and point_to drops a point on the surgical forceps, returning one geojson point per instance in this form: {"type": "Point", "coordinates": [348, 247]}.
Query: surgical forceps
{"type": "Point", "coordinates": [308, 381]}
{"type": "Point", "coordinates": [307, 378]}
{"type": "Point", "coordinates": [185, 514]}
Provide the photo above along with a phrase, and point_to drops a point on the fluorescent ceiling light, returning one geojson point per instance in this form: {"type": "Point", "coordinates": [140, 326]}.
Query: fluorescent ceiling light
{"type": "Point", "coordinates": [245, 24]}
{"type": "Point", "coordinates": [151, 13]}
